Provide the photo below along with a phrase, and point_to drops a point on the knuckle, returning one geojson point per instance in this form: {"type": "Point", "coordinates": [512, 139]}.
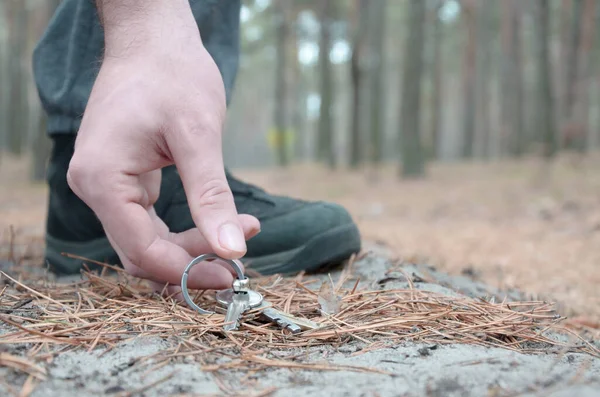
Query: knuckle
{"type": "Point", "coordinates": [148, 255]}
{"type": "Point", "coordinates": [85, 178]}
{"type": "Point", "coordinates": [133, 270]}
{"type": "Point", "coordinates": [209, 123]}
{"type": "Point", "coordinates": [76, 173]}
{"type": "Point", "coordinates": [215, 193]}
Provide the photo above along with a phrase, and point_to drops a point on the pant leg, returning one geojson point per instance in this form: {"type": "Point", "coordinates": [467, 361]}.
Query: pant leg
{"type": "Point", "coordinates": [68, 56]}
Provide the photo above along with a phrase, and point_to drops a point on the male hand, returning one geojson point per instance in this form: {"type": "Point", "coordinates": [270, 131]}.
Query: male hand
{"type": "Point", "coordinates": [158, 100]}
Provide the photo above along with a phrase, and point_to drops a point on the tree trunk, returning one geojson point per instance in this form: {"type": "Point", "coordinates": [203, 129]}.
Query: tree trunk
{"type": "Point", "coordinates": [18, 88]}
{"type": "Point", "coordinates": [359, 23]}
{"type": "Point", "coordinates": [281, 109]}
{"type": "Point", "coordinates": [325, 151]}
{"type": "Point", "coordinates": [483, 73]}
{"type": "Point", "coordinates": [566, 8]}
{"type": "Point", "coordinates": [519, 137]}
{"type": "Point", "coordinates": [512, 79]}
{"type": "Point", "coordinates": [581, 105]}
{"type": "Point", "coordinates": [545, 118]}
{"type": "Point", "coordinates": [469, 79]}
{"type": "Point", "coordinates": [507, 65]}
{"type": "Point", "coordinates": [5, 80]}
{"type": "Point", "coordinates": [571, 63]}
{"type": "Point", "coordinates": [594, 132]}
{"type": "Point", "coordinates": [299, 121]}
{"type": "Point", "coordinates": [377, 57]}
{"type": "Point", "coordinates": [438, 93]}
{"type": "Point", "coordinates": [298, 95]}
{"type": "Point", "coordinates": [413, 164]}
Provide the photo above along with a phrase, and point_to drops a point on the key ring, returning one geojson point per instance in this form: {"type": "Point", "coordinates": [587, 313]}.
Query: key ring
{"type": "Point", "coordinates": [239, 285]}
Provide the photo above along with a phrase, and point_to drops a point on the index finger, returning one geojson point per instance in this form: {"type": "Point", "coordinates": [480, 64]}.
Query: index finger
{"type": "Point", "coordinates": [210, 199]}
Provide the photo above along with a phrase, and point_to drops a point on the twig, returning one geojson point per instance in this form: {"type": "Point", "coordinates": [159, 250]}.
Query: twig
{"type": "Point", "coordinates": [147, 387]}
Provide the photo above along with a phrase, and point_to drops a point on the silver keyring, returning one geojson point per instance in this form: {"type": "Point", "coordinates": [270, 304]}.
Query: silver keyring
{"type": "Point", "coordinates": [235, 264]}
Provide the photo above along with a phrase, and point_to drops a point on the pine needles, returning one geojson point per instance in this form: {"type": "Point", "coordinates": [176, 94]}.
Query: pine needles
{"type": "Point", "coordinates": [103, 310]}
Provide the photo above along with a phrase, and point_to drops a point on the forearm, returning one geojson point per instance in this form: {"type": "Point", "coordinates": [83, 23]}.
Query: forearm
{"type": "Point", "coordinates": [130, 24]}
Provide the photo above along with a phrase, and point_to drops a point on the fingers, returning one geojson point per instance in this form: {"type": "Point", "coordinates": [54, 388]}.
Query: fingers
{"type": "Point", "coordinates": [135, 237]}
{"type": "Point", "coordinates": [141, 239]}
{"type": "Point", "coordinates": [195, 244]}
{"type": "Point", "coordinates": [197, 152]}
{"type": "Point", "coordinates": [192, 241]}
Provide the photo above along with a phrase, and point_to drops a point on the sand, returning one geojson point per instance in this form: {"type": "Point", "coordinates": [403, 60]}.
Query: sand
{"type": "Point", "coordinates": [455, 370]}
{"type": "Point", "coordinates": [410, 369]}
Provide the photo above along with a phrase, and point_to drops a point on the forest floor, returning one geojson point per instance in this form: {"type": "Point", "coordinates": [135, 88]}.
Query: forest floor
{"type": "Point", "coordinates": [510, 224]}
{"type": "Point", "coordinates": [501, 229]}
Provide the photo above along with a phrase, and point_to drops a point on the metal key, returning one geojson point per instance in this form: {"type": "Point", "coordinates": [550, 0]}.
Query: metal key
{"type": "Point", "coordinates": [227, 298]}
{"type": "Point", "coordinates": [237, 303]}
{"type": "Point", "coordinates": [240, 302]}
{"type": "Point", "coordinates": [240, 298]}
{"type": "Point", "coordinates": [285, 320]}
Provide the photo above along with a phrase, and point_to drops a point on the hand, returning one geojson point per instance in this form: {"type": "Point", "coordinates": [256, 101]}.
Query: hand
{"type": "Point", "coordinates": [158, 100]}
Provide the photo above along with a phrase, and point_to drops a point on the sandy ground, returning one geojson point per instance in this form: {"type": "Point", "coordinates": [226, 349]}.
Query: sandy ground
{"type": "Point", "coordinates": [455, 370]}
{"type": "Point", "coordinates": [410, 369]}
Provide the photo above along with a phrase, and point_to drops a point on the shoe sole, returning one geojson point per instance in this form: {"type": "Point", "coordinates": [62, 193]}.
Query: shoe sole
{"type": "Point", "coordinates": [326, 250]}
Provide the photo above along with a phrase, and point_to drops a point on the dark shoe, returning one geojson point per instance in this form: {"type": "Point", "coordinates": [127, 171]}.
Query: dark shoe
{"type": "Point", "coordinates": [295, 235]}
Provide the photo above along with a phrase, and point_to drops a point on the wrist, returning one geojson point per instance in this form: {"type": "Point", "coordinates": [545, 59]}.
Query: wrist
{"type": "Point", "coordinates": [131, 26]}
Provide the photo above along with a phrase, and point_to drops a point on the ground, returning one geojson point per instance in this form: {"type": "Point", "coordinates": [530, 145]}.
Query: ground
{"type": "Point", "coordinates": [508, 223]}
{"type": "Point", "coordinates": [355, 367]}
{"type": "Point", "coordinates": [505, 229]}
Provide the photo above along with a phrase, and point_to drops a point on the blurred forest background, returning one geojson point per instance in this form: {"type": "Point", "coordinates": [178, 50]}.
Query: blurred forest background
{"type": "Point", "coordinates": [351, 82]}
{"type": "Point", "coordinates": [430, 120]}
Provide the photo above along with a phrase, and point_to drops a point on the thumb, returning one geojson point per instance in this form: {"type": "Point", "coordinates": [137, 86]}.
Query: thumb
{"type": "Point", "coordinates": [199, 160]}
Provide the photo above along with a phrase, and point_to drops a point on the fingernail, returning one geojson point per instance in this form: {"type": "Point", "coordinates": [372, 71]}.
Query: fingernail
{"type": "Point", "coordinates": [231, 238]}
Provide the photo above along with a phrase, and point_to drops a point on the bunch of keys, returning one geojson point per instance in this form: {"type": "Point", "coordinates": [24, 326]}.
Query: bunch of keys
{"type": "Point", "coordinates": [240, 298]}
